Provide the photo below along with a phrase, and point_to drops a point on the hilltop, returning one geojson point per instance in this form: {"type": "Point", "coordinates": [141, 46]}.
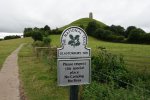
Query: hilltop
{"type": "Point", "coordinates": [84, 22]}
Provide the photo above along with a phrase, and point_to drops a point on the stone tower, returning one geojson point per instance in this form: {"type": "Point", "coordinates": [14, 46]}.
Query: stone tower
{"type": "Point", "coordinates": [91, 15]}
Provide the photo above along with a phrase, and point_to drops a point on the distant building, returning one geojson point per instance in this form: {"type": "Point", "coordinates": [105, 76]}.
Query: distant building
{"type": "Point", "coordinates": [91, 15]}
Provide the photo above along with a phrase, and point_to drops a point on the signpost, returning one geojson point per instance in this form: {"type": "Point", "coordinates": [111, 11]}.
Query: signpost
{"type": "Point", "coordinates": [74, 60]}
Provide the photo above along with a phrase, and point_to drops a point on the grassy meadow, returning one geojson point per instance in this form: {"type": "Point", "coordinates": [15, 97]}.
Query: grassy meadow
{"type": "Point", "coordinates": [137, 57]}
{"type": "Point", "coordinates": [39, 77]}
{"type": "Point", "coordinates": [7, 46]}
{"type": "Point", "coordinates": [38, 74]}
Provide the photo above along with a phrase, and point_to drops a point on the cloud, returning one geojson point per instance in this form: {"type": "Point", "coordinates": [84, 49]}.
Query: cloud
{"type": "Point", "coordinates": [15, 15]}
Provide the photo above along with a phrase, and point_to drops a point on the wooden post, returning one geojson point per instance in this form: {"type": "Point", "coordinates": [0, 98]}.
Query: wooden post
{"type": "Point", "coordinates": [74, 92]}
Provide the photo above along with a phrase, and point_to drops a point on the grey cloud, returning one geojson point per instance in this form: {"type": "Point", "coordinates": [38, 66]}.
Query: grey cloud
{"type": "Point", "coordinates": [15, 15]}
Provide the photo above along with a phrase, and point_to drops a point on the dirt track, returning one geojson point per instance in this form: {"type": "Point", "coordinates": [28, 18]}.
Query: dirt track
{"type": "Point", "coordinates": [9, 77]}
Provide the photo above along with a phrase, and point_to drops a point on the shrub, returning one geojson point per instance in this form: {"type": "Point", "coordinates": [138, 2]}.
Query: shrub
{"type": "Point", "coordinates": [37, 36]}
{"type": "Point", "coordinates": [38, 44]}
{"type": "Point", "coordinates": [111, 80]}
{"type": "Point", "coordinates": [107, 35]}
{"type": "Point", "coordinates": [97, 91]}
{"type": "Point", "coordinates": [107, 67]}
{"type": "Point", "coordinates": [46, 41]}
{"type": "Point", "coordinates": [136, 36]}
{"type": "Point", "coordinates": [115, 38]}
{"type": "Point", "coordinates": [91, 28]}
{"type": "Point", "coordinates": [99, 33]}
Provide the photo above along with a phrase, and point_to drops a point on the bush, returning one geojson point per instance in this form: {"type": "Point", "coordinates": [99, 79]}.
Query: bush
{"type": "Point", "coordinates": [46, 41]}
{"type": "Point", "coordinates": [115, 38]}
{"type": "Point", "coordinates": [107, 67]}
{"type": "Point", "coordinates": [91, 28]}
{"type": "Point", "coordinates": [111, 80]}
{"type": "Point", "coordinates": [136, 36]}
{"type": "Point", "coordinates": [99, 33]}
{"type": "Point", "coordinates": [38, 44]}
{"type": "Point", "coordinates": [37, 36]}
{"type": "Point", "coordinates": [97, 91]}
{"type": "Point", "coordinates": [107, 35]}
{"type": "Point", "coordinates": [145, 38]}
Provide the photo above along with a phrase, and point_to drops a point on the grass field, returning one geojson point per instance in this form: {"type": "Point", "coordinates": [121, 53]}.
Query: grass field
{"type": "Point", "coordinates": [7, 46]}
{"type": "Point", "coordinates": [137, 57]}
{"type": "Point", "coordinates": [39, 77]}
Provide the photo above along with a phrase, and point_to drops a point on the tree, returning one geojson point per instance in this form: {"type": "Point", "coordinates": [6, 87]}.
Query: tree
{"type": "Point", "coordinates": [117, 29]}
{"type": "Point", "coordinates": [46, 28]}
{"type": "Point", "coordinates": [37, 35]}
{"type": "Point", "coordinates": [128, 30]}
{"type": "Point", "coordinates": [135, 36]}
{"type": "Point", "coordinates": [99, 33]}
{"type": "Point", "coordinates": [27, 32]}
{"type": "Point", "coordinates": [92, 26]}
{"type": "Point", "coordinates": [56, 31]}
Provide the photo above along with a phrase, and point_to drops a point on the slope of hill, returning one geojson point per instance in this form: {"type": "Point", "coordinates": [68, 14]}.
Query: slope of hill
{"type": "Point", "coordinates": [136, 56]}
{"type": "Point", "coordinates": [84, 22]}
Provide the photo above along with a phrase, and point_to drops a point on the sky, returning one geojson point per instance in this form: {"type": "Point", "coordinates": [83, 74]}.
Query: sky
{"type": "Point", "coordinates": [15, 15]}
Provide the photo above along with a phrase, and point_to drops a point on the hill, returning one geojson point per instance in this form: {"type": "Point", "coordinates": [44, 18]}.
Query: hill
{"type": "Point", "coordinates": [84, 22]}
{"type": "Point", "coordinates": [42, 71]}
{"type": "Point", "coordinates": [135, 61]}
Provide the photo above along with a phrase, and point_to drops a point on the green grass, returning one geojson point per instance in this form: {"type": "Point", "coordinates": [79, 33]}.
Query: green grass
{"type": "Point", "coordinates": [84, 22]}
{"type": "Point", "coordinates": [137, 57]}
{"type": "Point", "coordinates": [7, 46]}
{"type": "Point", "coordinates": [38, 77]}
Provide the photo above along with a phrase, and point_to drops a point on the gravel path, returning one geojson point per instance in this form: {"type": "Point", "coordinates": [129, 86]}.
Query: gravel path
{"type": "Point", "coordinates": [9, 77]}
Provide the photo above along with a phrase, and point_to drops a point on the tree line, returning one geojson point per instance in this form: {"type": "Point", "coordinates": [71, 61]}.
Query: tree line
{"type": "Point", "coordinates": [40, 35]}
{"type": "Point", "coordinates": [113, 33]}
{"type": "Point", "coordinates": [41, 32]}
{"type": "Point", "coordinates": [117, 33]}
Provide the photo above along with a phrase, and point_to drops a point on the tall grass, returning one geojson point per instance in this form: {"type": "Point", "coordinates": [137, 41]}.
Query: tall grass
{"type": "Point", "coordinates": [38, 76]}
{"type": "Point", "coordinates": [111, 80]}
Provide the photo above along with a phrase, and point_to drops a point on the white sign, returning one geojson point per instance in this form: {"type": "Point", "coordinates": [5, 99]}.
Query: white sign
{"type": "Point", "coordinates": [74, 60]}
{"type": "Point", "coordinates": [74, 71]}
{"type": "Point", "coordinates": [73, 41]}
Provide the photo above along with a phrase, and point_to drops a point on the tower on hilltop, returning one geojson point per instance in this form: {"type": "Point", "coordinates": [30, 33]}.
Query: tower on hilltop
{"type": "Point", "coordinates": [91, 15]}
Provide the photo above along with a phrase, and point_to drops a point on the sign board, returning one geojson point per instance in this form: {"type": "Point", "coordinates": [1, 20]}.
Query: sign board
{"type": "Point", "coordinates": [74, 59]}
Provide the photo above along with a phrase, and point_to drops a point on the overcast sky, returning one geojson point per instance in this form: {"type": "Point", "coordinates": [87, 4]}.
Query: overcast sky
{"type": "Point", "coordinates": [15, 15]}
